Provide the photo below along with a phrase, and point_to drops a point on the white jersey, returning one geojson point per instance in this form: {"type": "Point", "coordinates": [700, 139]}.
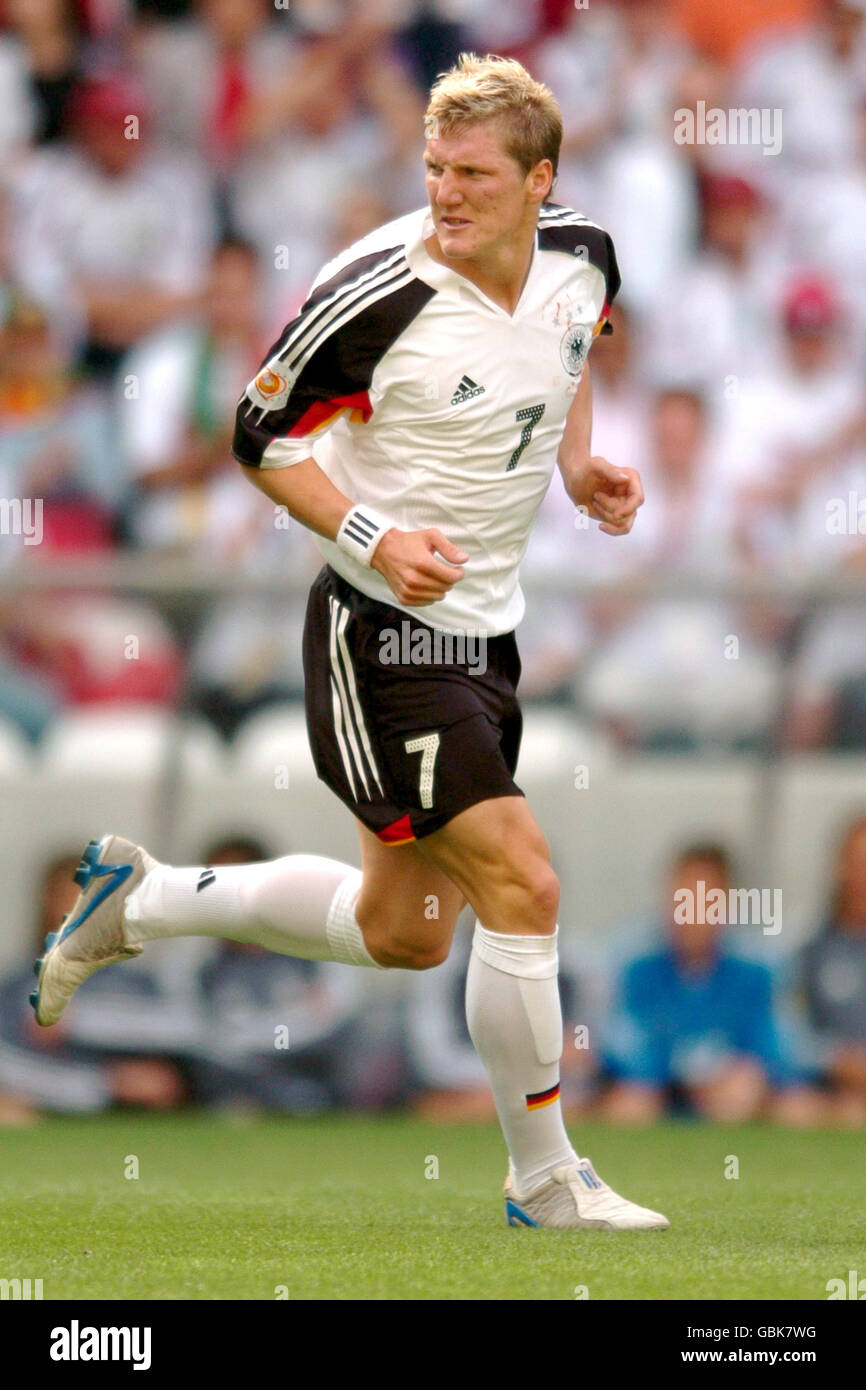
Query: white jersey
{"type": "Point", "coordinates": [418, 395]}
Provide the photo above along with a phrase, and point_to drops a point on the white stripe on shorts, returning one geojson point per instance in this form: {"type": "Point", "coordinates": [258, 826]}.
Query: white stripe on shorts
{"type": "Point", "coordinates": [353, 695]}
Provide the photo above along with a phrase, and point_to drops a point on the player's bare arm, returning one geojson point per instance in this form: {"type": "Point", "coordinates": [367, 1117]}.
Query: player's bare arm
{"type": "Point", "coordinates": [409, 560]}
{"type": "Point", "coordinates": [609, 493]}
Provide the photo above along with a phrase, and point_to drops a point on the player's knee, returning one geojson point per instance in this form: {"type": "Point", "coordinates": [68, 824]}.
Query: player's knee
{"type": "Point", "coordinates": [538, 890]}
{"type": "Point", "coordinates": [405, 955]}
{"type": "Point", "coordinates": [523, 897]}
{"type": "Point", "coordinates": [392, 943]}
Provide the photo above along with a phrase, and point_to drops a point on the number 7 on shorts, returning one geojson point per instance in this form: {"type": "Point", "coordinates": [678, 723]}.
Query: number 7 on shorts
{"type": "Point", "coordinates": [428, 746]}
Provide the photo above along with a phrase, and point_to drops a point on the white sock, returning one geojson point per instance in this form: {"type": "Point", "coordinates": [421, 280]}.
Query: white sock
{"type": "Point", "coordinates": [515, 1022]}
{"type": "Point", "coordinates": [301, 905]}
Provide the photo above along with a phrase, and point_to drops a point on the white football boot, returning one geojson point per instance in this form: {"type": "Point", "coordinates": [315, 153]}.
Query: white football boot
{"type": "Point", "coordinates": [574, 1198]}
{"type": "Point", "coordinates": [91, 935]}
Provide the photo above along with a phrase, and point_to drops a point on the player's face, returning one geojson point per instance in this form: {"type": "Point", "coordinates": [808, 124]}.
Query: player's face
{"type": "Point", "coordinates": [479, 195]}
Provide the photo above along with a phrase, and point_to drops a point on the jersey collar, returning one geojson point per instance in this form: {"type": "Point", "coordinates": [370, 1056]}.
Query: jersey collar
{"type": "Point", "coordinates": [453, 285]}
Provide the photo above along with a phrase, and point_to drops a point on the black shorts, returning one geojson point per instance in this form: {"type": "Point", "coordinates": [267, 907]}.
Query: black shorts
{"type": "Point", "coordinates": [407, 725]}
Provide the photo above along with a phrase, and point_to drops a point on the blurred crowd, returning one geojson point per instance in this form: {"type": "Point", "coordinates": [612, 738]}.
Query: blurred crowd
{"type": "Point", "coordinates": [173, 173]}
{"type": "Point", "coordinates": [687, 1013]}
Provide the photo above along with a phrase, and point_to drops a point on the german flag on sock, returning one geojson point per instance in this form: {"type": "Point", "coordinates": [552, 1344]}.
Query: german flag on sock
{"type": "Point", "coordinates": [535, 1102]}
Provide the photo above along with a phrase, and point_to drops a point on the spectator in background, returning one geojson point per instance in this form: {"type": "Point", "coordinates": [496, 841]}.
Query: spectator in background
{"type": "Point", "coordinates": [828, 702]}
{"type": "Point", "coordinates": [620, 405]}
{"type": "Point", "coordinates": [17, 113]}
{"type": "Point", "coordinates": [176, 396]}
{"type": "Point", "coordinates": [123, 229]}
{"type": "Point", "coordinates": [815, 75]}
{"type": "Point", "coordinates": [288, 1035]}
{"type": "Point", "coordinates": [668, 675]}
{"type": "Point", "coordinates": [359, 122]}
{"type": "Point", "coordinates": [694, 1022]}
{"type": "Point", "coordinates": [70, 647]}
{"type": "Point", "coordinates": [48, 38]}
{"type": "Point", "coordinates": [723, 33]}
{"type": "Point", "coordinates": [718, 324]}
{"type": "Point", "coordinates": [500, 26]}
{"type": "Point", "coordinates": [57, 437]}
{"type": "Point", "coordinates": [94, 649]}
{"type": "Point", "coordinates": [58, 451]}
{"type": "Point", "coordinates": [824, 219]}
{"type": "Point", "coordinates": [834, 981]}
{"type": "Point", "coordinates": [87, 647]}
{"type": "Point", "coordinates": [796, 455]}
{"type": "Point", "coordinates": [29, 700]}
{"type": "Point", "coordinates": [615, 71]}
{"type": "Point", "coordinates": [432, 39]}
{"type": "Point", "coordinates": [781, 417]}
{"type": "Point", "coordinates": [560, 627]}
{"type": "Point", "coordinates": [247, 652]}
{"type": "Point", "coordinates": [221, 79]}
{"type": "Point", "coordinates": [359, 209]}
{"type": "Point", "coordinates": [49, 1070]}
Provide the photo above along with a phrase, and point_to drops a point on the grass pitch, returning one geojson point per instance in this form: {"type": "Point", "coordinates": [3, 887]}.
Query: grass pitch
{"type": "Point", "coordinates": [342, 1209]}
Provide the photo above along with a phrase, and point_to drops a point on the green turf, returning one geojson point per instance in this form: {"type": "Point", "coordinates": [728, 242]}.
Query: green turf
{"type": "Point", "coordinates": [341, 1209]}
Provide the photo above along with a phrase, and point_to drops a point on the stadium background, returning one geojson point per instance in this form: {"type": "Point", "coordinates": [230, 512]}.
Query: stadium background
{"type": "Point", "coordinates": [173, 176]}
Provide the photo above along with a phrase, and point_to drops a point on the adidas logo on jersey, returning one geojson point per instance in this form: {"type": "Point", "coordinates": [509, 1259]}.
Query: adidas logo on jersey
{"type": "Point", "coordinates": [467, 390]}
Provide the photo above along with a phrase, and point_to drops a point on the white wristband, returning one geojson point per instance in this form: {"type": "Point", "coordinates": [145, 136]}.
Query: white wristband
{"type": "Point", "coordinates": [360, 532]}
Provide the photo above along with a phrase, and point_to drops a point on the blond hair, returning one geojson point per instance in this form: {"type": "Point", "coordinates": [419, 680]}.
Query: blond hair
{"type": "Point", "coordinates": [492, 88]}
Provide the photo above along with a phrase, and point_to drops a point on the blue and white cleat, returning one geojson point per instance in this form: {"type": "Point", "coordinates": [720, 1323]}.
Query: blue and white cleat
{"type": "Point", "coordinates": [574, 1198]}
{"type": "Point", "coordinates": [91, 936]}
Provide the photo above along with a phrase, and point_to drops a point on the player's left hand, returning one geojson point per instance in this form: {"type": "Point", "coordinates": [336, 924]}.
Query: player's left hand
{"type": "Point", "coordinates": [610, 494]}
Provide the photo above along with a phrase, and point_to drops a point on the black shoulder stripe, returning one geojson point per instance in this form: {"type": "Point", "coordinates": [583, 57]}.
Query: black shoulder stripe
{"type": "Point", "coordinates": [351, 273]}
{"type": "Point", "coordinates": [550, 209]}
{"type": "Point", "coordinates": [347, 291]}
{"type": "Point", "coordinates": [583, 239]}
{"type": "Point", "coordinates": [348, 357]}
{"type": "Point", "coordinates": [335, 362]}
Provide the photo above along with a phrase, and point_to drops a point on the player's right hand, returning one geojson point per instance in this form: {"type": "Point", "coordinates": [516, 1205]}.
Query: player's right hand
{"type": "Point", "coordinates": [410, 561]}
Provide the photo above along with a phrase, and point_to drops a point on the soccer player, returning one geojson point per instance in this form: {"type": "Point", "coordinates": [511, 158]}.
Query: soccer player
{"type": "Point", "coordinates": [411, 416]}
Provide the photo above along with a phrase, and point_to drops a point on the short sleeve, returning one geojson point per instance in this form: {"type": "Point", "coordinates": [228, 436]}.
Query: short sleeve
{"type": "Point", "coordinates": [321, 366]}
